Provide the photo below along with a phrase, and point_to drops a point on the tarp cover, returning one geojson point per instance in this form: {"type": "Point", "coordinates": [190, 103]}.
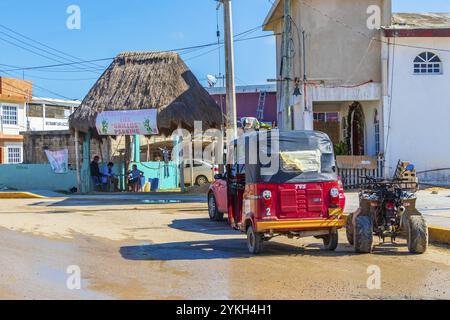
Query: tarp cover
{"type": "Point", "coordinates": [302, 156]}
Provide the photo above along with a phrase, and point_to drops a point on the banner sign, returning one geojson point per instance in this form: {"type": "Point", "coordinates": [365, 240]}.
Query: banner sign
{"type": "Point", "coordinates": [128, 123]}
{"type": "Point", "coordinates": [58, 160]}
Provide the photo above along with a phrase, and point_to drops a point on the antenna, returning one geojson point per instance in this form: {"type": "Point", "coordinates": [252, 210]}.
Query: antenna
{"type": "Point", "coordinates": [212, 80]}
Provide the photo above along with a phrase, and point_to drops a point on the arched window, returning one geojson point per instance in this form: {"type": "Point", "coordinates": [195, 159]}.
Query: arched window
{"type": "Point", "coordinates": [427, 63]}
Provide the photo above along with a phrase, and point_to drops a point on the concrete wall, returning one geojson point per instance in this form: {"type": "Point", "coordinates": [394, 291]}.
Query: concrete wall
{"type": "Point", "coordinates": [334, 51]}
{"type": "Point", "coordinates": [35, 144]}
{"type": "Point", "coordinates": [35, 177]}
{"type": "Point", "coordinates": [420, 113]}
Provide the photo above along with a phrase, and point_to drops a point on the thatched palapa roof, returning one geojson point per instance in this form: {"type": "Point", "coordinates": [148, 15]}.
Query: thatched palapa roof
{"type": "Point", "coordinates": [150, 80]}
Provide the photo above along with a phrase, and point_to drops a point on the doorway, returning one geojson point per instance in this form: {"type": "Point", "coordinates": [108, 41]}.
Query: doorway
{"type": "Point", "coordinates": [356, 130]}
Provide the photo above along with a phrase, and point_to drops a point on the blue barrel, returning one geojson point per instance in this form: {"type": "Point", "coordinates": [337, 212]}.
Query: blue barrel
{"type": "Point", "coordinates": [154, 184]}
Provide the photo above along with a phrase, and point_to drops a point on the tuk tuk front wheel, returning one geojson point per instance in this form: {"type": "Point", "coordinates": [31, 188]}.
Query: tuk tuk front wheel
{"type": "Point", "coordinates": [214, 214]}
{"type": "Point", "coordinates": [330, 241]}
{"type": "Point", "coordinates": [255, 241]}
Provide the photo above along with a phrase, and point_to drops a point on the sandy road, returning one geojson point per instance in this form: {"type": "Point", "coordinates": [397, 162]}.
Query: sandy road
{"type": "Point", "coordinates": [131, 249]}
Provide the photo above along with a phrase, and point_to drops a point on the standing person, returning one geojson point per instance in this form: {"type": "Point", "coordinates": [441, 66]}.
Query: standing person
{"type": "Point", "coordinates": [96, 174]}
{"type": "Point", "coordinates": [165, 154]}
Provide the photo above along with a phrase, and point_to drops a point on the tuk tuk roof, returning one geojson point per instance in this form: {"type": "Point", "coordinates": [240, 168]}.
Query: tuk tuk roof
{"type": "Point", "coordinates": [288, 141]}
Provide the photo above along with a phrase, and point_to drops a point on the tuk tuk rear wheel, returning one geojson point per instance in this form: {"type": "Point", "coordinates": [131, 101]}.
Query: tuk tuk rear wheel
{"type": "Point", "coordinates": [349, 229]}
{"type": "Point", "coordinates": [330, 241]}
{"type": "Point", "coordinates": [255, 241]}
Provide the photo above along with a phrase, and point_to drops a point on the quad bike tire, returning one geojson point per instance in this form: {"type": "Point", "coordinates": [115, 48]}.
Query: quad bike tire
{"type": "Point", "coordinates": [417, 234]}
{"type": "Point", "coordinates": [330, 241]}
{"type": "Point", "coordinates": [255, 241]}
{"type": "Point", "coordinates": [363, 237]}
{"type": "Point", "coordinates": [349, 229]}
{"type": "Point", "coordinates": [214, 214]}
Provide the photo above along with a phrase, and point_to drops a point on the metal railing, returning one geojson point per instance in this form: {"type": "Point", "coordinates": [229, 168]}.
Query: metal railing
{"type": "Point", "coordinates": [354, 178]}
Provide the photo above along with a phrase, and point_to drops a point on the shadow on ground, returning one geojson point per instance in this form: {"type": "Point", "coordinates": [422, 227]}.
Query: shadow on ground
{"type": "Point", "coordinates": [109, 202]}
{"type": "Point", "coordinates": [203, 225]}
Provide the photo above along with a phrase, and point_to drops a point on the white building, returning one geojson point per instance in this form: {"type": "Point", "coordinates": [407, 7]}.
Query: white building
{"type": "Point", "coordinates": [335, 82]}
{"type": "Point", "coordinates": [20, 112]}
{"type": "Point", "coordinates": [417, 125]}
{"type": "Point", "coordinates": [45, 114]}
{"type": "Point", "coordinates": [381, 93]}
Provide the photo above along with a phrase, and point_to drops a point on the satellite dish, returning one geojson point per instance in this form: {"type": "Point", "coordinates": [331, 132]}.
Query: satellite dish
{"type": "Point", "coordinates": [212, 80]}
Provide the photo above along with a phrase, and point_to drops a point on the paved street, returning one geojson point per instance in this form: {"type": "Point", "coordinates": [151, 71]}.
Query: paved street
{"type": "Point", "coordinates": [169, 250]}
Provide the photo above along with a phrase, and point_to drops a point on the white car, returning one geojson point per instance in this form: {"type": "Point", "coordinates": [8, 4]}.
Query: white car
{"type": "Point", "coordinates": [203, 172]}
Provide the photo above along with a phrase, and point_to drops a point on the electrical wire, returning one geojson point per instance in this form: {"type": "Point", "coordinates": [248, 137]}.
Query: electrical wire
{"type": "Point", "coordinates": [338, 21]}
{"type": "Point", "coordinates": [43, 44]}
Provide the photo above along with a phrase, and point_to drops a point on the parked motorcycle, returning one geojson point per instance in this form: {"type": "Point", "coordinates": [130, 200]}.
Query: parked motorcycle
{"type": "Point", "coordinates": [387, 211]}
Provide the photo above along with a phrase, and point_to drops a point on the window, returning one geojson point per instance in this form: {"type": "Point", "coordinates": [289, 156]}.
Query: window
{"type": "Point", "coordinates": [9, 115]}
{"type": "Point", "coordinates": [377, 133]}
{"type": "Point", "coordinates": [427, 63]}
{"type": "Point", "coordinates": [35, 110]}
{"type": "Point", "coordinates": [14, 155]}
{"type": "Point", "coordinates": [326, 116]}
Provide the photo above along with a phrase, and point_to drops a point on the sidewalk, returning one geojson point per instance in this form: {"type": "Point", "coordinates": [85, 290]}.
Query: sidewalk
{"type": "Point", "coordinates": [434, 207]}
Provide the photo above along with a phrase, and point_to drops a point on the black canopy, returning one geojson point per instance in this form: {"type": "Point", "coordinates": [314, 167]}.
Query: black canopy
{"type": "Point", "coordinates": [286, 157]}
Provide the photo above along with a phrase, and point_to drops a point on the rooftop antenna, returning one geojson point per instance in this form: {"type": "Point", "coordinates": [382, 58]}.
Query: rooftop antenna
{"type": "Point", "coordinates": [212, 80]}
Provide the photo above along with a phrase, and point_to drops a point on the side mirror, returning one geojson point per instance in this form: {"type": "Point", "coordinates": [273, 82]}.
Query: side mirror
{"type": "Point", "coordinates": [218, 176]}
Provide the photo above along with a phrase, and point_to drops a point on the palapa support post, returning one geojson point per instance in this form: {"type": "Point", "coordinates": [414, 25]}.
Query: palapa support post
{"type": "Point", "coordinates": [77, 160]}
{"type": "Point", "coordinates": [127, 158]}
{"type": "Point", "coordinates": [137, 148]}
{"type": "Point", "coordinates": [85, 168]}
{"type": "Point", "coordinates": [178, 147]}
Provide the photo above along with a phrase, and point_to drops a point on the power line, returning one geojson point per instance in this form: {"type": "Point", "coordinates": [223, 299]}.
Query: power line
{"type": "Point", "coordinates": [180, 50]}
{"type": "Point", "coordinates": [49, 57]}
{"type": "Point", "coordinates": [43, 44]}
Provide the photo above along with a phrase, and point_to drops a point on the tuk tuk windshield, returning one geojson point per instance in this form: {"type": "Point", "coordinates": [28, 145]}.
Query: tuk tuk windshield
{"type": "Point", "coordinates": [301, 161]}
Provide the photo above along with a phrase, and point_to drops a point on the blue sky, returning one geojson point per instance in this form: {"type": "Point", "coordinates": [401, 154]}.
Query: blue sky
{"type": "Point", "coordinates": [113, 26]}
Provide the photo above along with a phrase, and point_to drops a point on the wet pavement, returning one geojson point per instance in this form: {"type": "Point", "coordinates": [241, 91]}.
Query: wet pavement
{"type": "Point", "coordinates": [170, 250]}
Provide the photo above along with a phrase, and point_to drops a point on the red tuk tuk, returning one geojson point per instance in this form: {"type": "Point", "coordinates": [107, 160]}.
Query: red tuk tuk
{"type": "Point", "coordinates": [280, 183]}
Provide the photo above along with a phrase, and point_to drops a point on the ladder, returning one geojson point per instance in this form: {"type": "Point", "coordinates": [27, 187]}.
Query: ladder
{"type": "Point", "coordinates": [261, 105]}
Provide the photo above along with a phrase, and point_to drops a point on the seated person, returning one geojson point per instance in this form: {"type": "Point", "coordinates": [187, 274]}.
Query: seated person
{"type": "Point", "coordinates": [109, 178]}
{"type": "Point", "coordinates": [134, 178]}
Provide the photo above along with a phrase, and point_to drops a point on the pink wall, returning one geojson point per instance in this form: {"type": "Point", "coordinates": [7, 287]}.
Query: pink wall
{"type": "Point", "coordinates": [247, 103]}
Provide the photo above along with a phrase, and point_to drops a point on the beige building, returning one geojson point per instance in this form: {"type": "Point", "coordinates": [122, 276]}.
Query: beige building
{"type": "Point", "coordinates": [337, 56]}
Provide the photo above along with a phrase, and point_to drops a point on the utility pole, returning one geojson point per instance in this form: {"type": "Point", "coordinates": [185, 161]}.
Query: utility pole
{"type": "Point", "coordinates": [229, 59]}
{"type": "Point", "coordinates": [286, 67]}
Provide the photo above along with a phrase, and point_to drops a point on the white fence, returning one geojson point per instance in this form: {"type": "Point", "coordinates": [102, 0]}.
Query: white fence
{"type": "Point", "coordinates": [354, 178]}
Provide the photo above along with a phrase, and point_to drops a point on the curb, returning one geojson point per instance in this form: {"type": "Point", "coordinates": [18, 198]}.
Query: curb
{"type": "Point", "coordinates": [438, 234]}
{"type": "Point", "coordinates": [20, 195]}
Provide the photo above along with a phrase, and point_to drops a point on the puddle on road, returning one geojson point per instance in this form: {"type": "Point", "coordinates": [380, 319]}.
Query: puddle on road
{"type": "Point", "coordinates": [162, 201]}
